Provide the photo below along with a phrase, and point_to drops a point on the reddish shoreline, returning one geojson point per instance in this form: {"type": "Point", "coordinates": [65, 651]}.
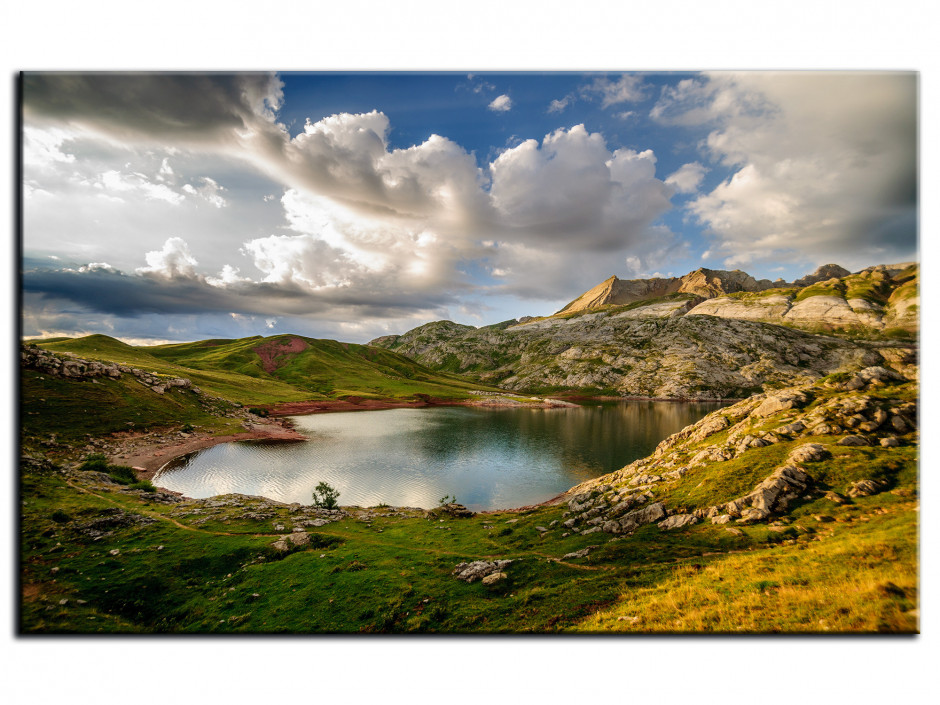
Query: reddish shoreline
{"type": "Point", "coordinates": [149, 458]}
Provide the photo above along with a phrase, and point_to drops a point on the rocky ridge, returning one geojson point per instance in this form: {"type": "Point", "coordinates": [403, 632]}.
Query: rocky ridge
{"type": "Point", "coordinates": [681, 345]}
{"type": "Point", "coordinates": [811, 423]}
{"type": "Point", "coordinates": [620, 353]}
{"type": "Point", "coordinates": [69, 366]}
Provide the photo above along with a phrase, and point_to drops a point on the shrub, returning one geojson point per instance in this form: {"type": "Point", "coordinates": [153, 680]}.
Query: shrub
{"type": "Point", "coordinates": [60, 517]}
{"type": "Point", "coordinates": [122, 474]}
{"type": "Point", "coordinates": [325, 496]}
{"type": "Point", "coordinates": [95, 461]}
{"type": "Point", "coordinates": [145, 485]}
{"type": "Point", "coordinates": [447, 499]}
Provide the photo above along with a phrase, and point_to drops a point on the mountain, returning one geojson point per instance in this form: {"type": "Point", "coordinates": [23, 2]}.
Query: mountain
{"type": "Point", "coordinates": [704, 283]}
{"type": "Point", "coordinates": [676, 342]}
{"type": "Point", "coordinates": [879, 297]}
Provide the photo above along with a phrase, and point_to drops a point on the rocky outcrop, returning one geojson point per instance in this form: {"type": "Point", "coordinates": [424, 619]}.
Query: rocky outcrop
{"type": "Point", "coordinates": [684, 346]}
{"type": "Point", "coordinates": [68, 366]}
{"type": "Point", "coordinates": [704, 283]}
{"type": "Point", "coordinates": [481, 570]}
{"type": "Point", "coordinates": [823, 273]}
{"type": "Point", "coordinates": [648, 490]}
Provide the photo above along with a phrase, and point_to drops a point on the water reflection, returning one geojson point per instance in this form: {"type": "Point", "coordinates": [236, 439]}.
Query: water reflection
{"type": "Point", "coordinates": [487, 458]}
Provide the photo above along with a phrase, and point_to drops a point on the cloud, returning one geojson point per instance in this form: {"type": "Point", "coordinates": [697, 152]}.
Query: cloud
{"type": "Point", "coordinates": [571, 191]}
{"type": "Point", "coordinates": [629, 88]}
{"type": "Point", "coordinates": [823, 164]}
{"type": "Point", "coordinates": [501, 104]}
{"type": "Point", "coordinates": [362, 231]}
{"type": "Point", "coordinates": [687, 178]}
{"type": "Point", "coordinates": [173, 261]}
{"type": "Point", "coordinates": [156, 107]}
{"type": "Point", "coordinates": [556, 106]}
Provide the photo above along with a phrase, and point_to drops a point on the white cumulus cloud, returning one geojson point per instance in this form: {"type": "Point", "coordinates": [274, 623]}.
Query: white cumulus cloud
{"type": "Point", "coordinates": [688, 177]}
{"type": "Point", "coordinates": [501, 104]}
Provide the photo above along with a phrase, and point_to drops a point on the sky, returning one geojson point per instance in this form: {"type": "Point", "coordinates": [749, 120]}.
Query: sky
{"type": "Point", "coordinates": [348, 205]}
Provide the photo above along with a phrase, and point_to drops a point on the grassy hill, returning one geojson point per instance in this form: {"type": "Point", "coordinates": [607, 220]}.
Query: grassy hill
{"type": "Point", "coordinates": [286, 368]}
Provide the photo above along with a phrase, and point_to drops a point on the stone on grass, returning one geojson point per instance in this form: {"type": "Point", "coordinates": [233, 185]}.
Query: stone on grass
{"type": "Point", "coordinates": [854, 441]}
{"type": "Point", "coordinates": [809, 453]}
{"type": "Point", "coordinates": [677, 521]}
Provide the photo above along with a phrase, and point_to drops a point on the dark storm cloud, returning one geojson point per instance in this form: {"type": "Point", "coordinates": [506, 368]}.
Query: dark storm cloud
{"type": "Point", "coordinates": [110, 291]}
{"type": "Point", "coordinates": [153, 106]}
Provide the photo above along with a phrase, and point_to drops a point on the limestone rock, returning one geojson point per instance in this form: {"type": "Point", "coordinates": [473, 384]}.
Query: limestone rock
{"type": "Point", "coordinates": [808, 453]}
{"type": "Point", "coordinates": [865, 488]}
{"type": "Point", "coordinates": [854, 441]}
{"type": "Point", "coordinates": [493, 578]}
{"type": "Point", "coordinates": [477, 570]}
{"type": "Point", "coordinates": [677, 521]}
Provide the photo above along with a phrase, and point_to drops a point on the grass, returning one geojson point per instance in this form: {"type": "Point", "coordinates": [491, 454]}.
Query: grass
{"type": "Point", "coordinates": [861, 578]}
{"type": "Point", "coordinates": [233, 369]}
{"type": "Point", "coordinates": [182, 574]}
{"type": "Point", "coordinates": [72, 410]}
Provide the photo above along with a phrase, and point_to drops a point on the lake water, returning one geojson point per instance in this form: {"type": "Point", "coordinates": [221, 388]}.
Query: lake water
{"type": "Point", "coordinates": [486, 458]}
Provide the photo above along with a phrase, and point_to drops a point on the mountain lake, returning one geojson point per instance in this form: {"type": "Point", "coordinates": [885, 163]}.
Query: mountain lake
{"type": "Point", "coordinates": [487, 458]}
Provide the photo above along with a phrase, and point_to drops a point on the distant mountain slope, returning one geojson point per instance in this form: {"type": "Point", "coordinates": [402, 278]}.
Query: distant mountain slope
{"type": "Point", "coordinates": [281, 368]}
{"type": "Point", "coordinates": [882, 297]}
{"type": "Point", "coordinates": [679, 344]}
{"type": "Point", "coordinates": [705, 283]}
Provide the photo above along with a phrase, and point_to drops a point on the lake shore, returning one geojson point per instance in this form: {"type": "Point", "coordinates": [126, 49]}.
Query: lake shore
{"type": "Point", "coordinates": [147, 453]}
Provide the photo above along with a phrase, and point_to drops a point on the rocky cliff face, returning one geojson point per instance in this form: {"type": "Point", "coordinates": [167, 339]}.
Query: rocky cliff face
{"type": "Point", "coordinates": [664, 354]}
{"type": "Point", "coordinates": [753, 461]}
{"type": "Point", "coordinates": [704, 283]}
{"type": "Point", "coordinates": [876, 299]}
{"type": "Point", "coordinates": [684, 344]}
{"type": "Point", "coordinates": [880, 297]}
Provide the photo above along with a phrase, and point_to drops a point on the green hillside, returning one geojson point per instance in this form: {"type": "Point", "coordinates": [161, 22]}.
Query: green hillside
{"type": "Point", "coordinates": [285, 368]}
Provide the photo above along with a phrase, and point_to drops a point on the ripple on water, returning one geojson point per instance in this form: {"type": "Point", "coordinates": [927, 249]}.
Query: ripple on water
{"type": "Point", "coordinates": [488, 459]}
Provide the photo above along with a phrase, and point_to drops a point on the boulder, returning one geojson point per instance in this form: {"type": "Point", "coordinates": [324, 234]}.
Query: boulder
{"type": "Point", "coordinates": [808, 453]}
{"type": "Point", "coordinates": [639, 517]}
{"type": "Point", "coordinates": [854, 441]}
{"type": "Point", "coordinates": [865, 488]}
{"type": "Point", "coordinates": [477, 570]}
{"type": "Point", "coordinates": [493, 578]}
{"type": "Point", "coordinates": [677, 521]}
{"type": "Point", "coordinates": [779, 402]}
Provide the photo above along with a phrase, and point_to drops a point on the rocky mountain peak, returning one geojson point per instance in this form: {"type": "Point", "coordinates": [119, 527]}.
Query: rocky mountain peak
{"type": "Point", "coordinates": [823, 273]}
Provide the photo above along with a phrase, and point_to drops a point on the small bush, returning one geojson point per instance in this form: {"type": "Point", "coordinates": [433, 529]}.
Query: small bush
{"type": "Point", "coordinates": [60, 517]}
{"type": "Point", "coordinates": [325, 496]}
{"type": "Point", "coordinates": [258, 412]}
{"type": "Point", "coordinates": [145, 485]}
{"type": "Point", "coordinates": [95, 461]}
{"type": "Point", "coordinates": [122, 474]}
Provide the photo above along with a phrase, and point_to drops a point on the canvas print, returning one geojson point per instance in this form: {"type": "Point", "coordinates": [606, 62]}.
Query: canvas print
{"type": "Point", "coordinates": [458, 353]}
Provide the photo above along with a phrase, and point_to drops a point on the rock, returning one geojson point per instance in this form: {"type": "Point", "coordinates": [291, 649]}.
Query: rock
{"type": "Point", "coordinates": [808, 453]}
{"type": "Point", "coordinates": [890, 442]}
{"type": "Point", "coordinates": [281, 544]}
{"type": "Point", "coordinates": [677, 521]}
{"type": "Point", "coordinates": [835, 497]}
{"type": "Point", "coordinates": [779, 402]}
{"type": "Point", "coordinates": [753, 514]}
{"type": "Point", "coordinates": [611, 527]}
{"type": "Point", "coordinates": [865, 488]}
{"type": "Point", "coordinates": [476, 570]}
{"type": "Point", "coordinates": [734, 530]}
{"type": "Point", "coordinates": [854, 441]}
{"type": "Point", "coordinates": [493, 578]}
{"type": "Point", "coordinates": [721, 519]}
{"type": "Point", "coordinates": [299, 538]}
{"type": "Point", "coordinates": [639, 517]}
{"type": "Point", "coordinates": [577, 554]}
{"type": "Point", "coordinates": [114, 552]}
{"type": "Point", "coordinates": [823, 518]}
